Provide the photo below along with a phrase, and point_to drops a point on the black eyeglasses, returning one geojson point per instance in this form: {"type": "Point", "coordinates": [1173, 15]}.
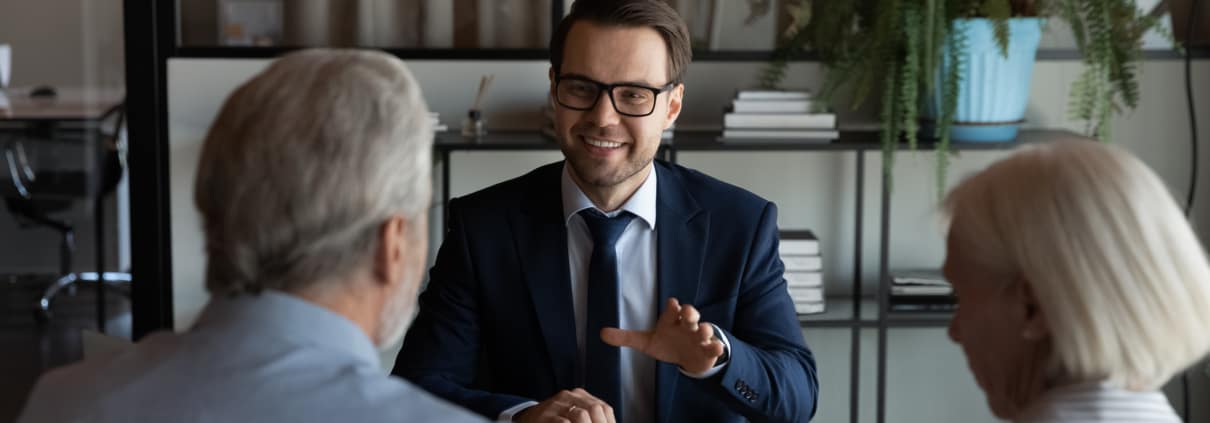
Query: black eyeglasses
{"type": "Point", "coordinates": [580, 93]}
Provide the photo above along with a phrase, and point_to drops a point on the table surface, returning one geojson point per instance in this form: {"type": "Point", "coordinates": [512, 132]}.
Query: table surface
{"type": "Point", "coordinates": [71, 104]}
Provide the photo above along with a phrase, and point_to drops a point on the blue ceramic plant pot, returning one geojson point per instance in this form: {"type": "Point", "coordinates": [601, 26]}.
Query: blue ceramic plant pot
{"type": "Point", "coordinates": [994, 90]}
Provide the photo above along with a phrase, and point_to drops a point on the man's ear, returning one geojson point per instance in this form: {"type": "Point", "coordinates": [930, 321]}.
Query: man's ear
{"type": "Point", "coordinates": [392, 250]}
{"type": "Point", "coordinates": [676, 98]}
{"type": "Point", "coordinates": [1034, 326]}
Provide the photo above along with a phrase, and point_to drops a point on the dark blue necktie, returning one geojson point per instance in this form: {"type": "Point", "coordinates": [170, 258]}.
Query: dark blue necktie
{"type": "Point", "coordinates": [602, 376]}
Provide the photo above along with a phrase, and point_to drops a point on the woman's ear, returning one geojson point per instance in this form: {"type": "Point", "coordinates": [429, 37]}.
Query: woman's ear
{"type": "Point", "coordinates": [1034, 327]}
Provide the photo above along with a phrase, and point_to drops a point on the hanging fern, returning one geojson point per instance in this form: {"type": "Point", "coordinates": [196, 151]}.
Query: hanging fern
{"type": "Point", "coordinates": [909, 75]}
{"type": "Point", "coordinates": [890, 130]}
{"type": "Point", "coordinates": [998, 11]}
{"type": "Point", "coordinates": [955, 69]}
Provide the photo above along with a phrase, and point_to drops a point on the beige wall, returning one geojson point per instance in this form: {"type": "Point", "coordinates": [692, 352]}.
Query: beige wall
{"type": "Point", "coordinates": [64, 42]}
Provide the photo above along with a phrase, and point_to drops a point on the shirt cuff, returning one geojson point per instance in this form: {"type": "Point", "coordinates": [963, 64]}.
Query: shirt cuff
{"type": "Point", "coordinates": [718, 368]}
{"type": "Point", "coordinates": [507, 415]}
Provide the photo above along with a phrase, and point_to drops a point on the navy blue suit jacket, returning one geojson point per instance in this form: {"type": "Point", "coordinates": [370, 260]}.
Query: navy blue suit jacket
{"type": "Point", "coordinates": [496, 325]}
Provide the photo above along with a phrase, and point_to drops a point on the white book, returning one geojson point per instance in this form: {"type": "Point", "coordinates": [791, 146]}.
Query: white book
{"type": "Point", "coordinates": [773, 95]}
{"type": "Point", "coordinates": [772, 106]}
{"type": "Point", "coordinates": [918, 277]}
{"type": "Point", "coordinates": [804, 279]}
{"type": "Point", "coordinates": [802, 263]}
{"type": "Point", "coordinates": [780, 121]}
{"type": "Point", "coordinates": [921, 290]}
{"type": "Point", "coordinates": [807, 295]}
{"type": "Point", "coordinates": [808, 308]}
{"type": "Point", "coordinates": [802, 243]}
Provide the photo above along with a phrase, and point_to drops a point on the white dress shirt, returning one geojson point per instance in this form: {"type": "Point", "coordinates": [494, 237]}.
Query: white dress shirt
{"type": "Point", "coordinates": [1099, 403]}
{"type": "Point", "coordinates": [637, 290]}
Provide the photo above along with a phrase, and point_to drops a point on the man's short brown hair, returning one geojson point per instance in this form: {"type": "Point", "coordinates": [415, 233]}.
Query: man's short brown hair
{"type": "Point", "coordinates": [654, 14]}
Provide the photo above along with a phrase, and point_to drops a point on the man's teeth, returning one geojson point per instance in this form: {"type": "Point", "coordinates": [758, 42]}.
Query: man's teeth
{"type": "Point", "coordinates": [602, 144]}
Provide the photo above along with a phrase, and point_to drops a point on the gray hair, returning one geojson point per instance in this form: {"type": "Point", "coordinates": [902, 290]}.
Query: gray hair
{"type": "Point", "coordinates": [1118, 273]}
{"type": "Point", "coordinates": [303, 165]}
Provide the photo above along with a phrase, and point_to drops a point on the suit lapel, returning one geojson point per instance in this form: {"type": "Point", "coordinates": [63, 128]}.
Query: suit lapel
{"type": "Point", "coordinates": [682, 231]}
{"type": "Point", "coordinates": [541, 237]}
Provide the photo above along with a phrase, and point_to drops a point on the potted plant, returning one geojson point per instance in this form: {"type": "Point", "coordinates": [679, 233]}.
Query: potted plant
{"type": "Point", "coordinates": [962, 67]}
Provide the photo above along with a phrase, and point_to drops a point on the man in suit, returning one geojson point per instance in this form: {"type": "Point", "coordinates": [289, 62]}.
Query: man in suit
{"type": "Point", "coordinates": [313, 188]}
{"type": "Point", "coordinates": [610, 287]}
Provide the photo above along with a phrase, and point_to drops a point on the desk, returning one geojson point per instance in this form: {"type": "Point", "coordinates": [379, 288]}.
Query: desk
{"type": "Point", "coordinates": [72, 110]}
{"type": "Point", "coordinates": [71, 105]}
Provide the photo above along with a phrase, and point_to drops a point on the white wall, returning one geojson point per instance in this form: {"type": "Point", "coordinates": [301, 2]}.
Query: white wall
{"type": "Point", "coordinates": [927, 376]}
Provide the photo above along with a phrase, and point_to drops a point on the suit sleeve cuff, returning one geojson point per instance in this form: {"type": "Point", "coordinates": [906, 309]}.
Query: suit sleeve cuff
{"type": "Point", "coordinates": [717, 368]}
{"type": "Point", "coordinates": [507, 415]}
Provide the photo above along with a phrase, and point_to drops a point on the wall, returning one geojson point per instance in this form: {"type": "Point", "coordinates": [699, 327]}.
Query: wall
{"type": "Point", "coordinates": [819, 197]}
{"type": "Point", "coordinates": [64, 44]}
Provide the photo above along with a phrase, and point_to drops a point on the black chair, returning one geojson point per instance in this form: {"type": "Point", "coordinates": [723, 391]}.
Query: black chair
{"type": "Point", "coordinates": [33, 197]}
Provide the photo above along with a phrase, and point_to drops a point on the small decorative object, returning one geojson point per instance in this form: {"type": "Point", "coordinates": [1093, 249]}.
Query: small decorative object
{"type": "Point", "coordinates": [251, 22]}
{"type": "Point", "coordinates": [6, 62]}
{"type": "Point", "coordinates": [474, 126]}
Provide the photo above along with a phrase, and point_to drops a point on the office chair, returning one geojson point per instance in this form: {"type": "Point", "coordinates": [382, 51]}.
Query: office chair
{"type": "Point", "coordinates": [34, 196]}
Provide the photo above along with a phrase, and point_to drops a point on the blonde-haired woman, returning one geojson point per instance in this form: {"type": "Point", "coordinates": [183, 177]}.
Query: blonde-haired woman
{"type": "Point", "coordinates": [1081, 287]}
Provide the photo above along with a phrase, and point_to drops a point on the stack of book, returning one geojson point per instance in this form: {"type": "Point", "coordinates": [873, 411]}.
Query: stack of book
{"type": "Point", "coordinates": [921, 291]}
{"type": "Point", "coordinates": [435, 120]}
{"type": "Point", "coordinates": [770, 116]}
{"type": "Point", "coordinates": [799, 252]}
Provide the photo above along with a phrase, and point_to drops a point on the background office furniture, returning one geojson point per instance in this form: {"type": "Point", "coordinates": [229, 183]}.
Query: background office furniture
{"type": "Point", "coordinates": [92, 121]}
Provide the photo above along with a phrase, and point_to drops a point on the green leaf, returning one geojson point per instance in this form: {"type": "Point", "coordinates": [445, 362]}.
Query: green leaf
{"type": "Point", "coordinates": [955, 69]}
{"type": "Point", "coordinates": [890, 131]}
{"type": "Point", "coordinates": [998, 11]}
{"type": "Point", "coordinates": [909, 78]}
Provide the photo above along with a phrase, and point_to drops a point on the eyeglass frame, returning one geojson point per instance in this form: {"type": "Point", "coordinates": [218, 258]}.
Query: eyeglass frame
{"type": "Point", "coordinates": [608, 88]}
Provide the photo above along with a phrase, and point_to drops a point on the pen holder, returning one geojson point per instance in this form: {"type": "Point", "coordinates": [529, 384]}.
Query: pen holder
{"type": "Point", "coordinates": [474, 126]}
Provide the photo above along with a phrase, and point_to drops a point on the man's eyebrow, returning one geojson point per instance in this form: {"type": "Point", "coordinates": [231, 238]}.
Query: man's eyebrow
{"type": "Point", "coordinates": [633, 82]}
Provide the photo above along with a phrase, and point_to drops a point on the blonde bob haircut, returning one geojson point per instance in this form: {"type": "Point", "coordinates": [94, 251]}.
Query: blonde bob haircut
{"type": "Point", "coordinates": [1117, 271]}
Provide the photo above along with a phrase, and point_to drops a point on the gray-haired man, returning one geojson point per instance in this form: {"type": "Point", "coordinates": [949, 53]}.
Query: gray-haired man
{"type": "Point", "coordinates": [313, 187]}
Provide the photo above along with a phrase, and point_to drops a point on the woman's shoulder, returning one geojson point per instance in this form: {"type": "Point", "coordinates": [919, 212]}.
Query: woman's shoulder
{"type": "Point", "coordinates": [1098, 402]}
